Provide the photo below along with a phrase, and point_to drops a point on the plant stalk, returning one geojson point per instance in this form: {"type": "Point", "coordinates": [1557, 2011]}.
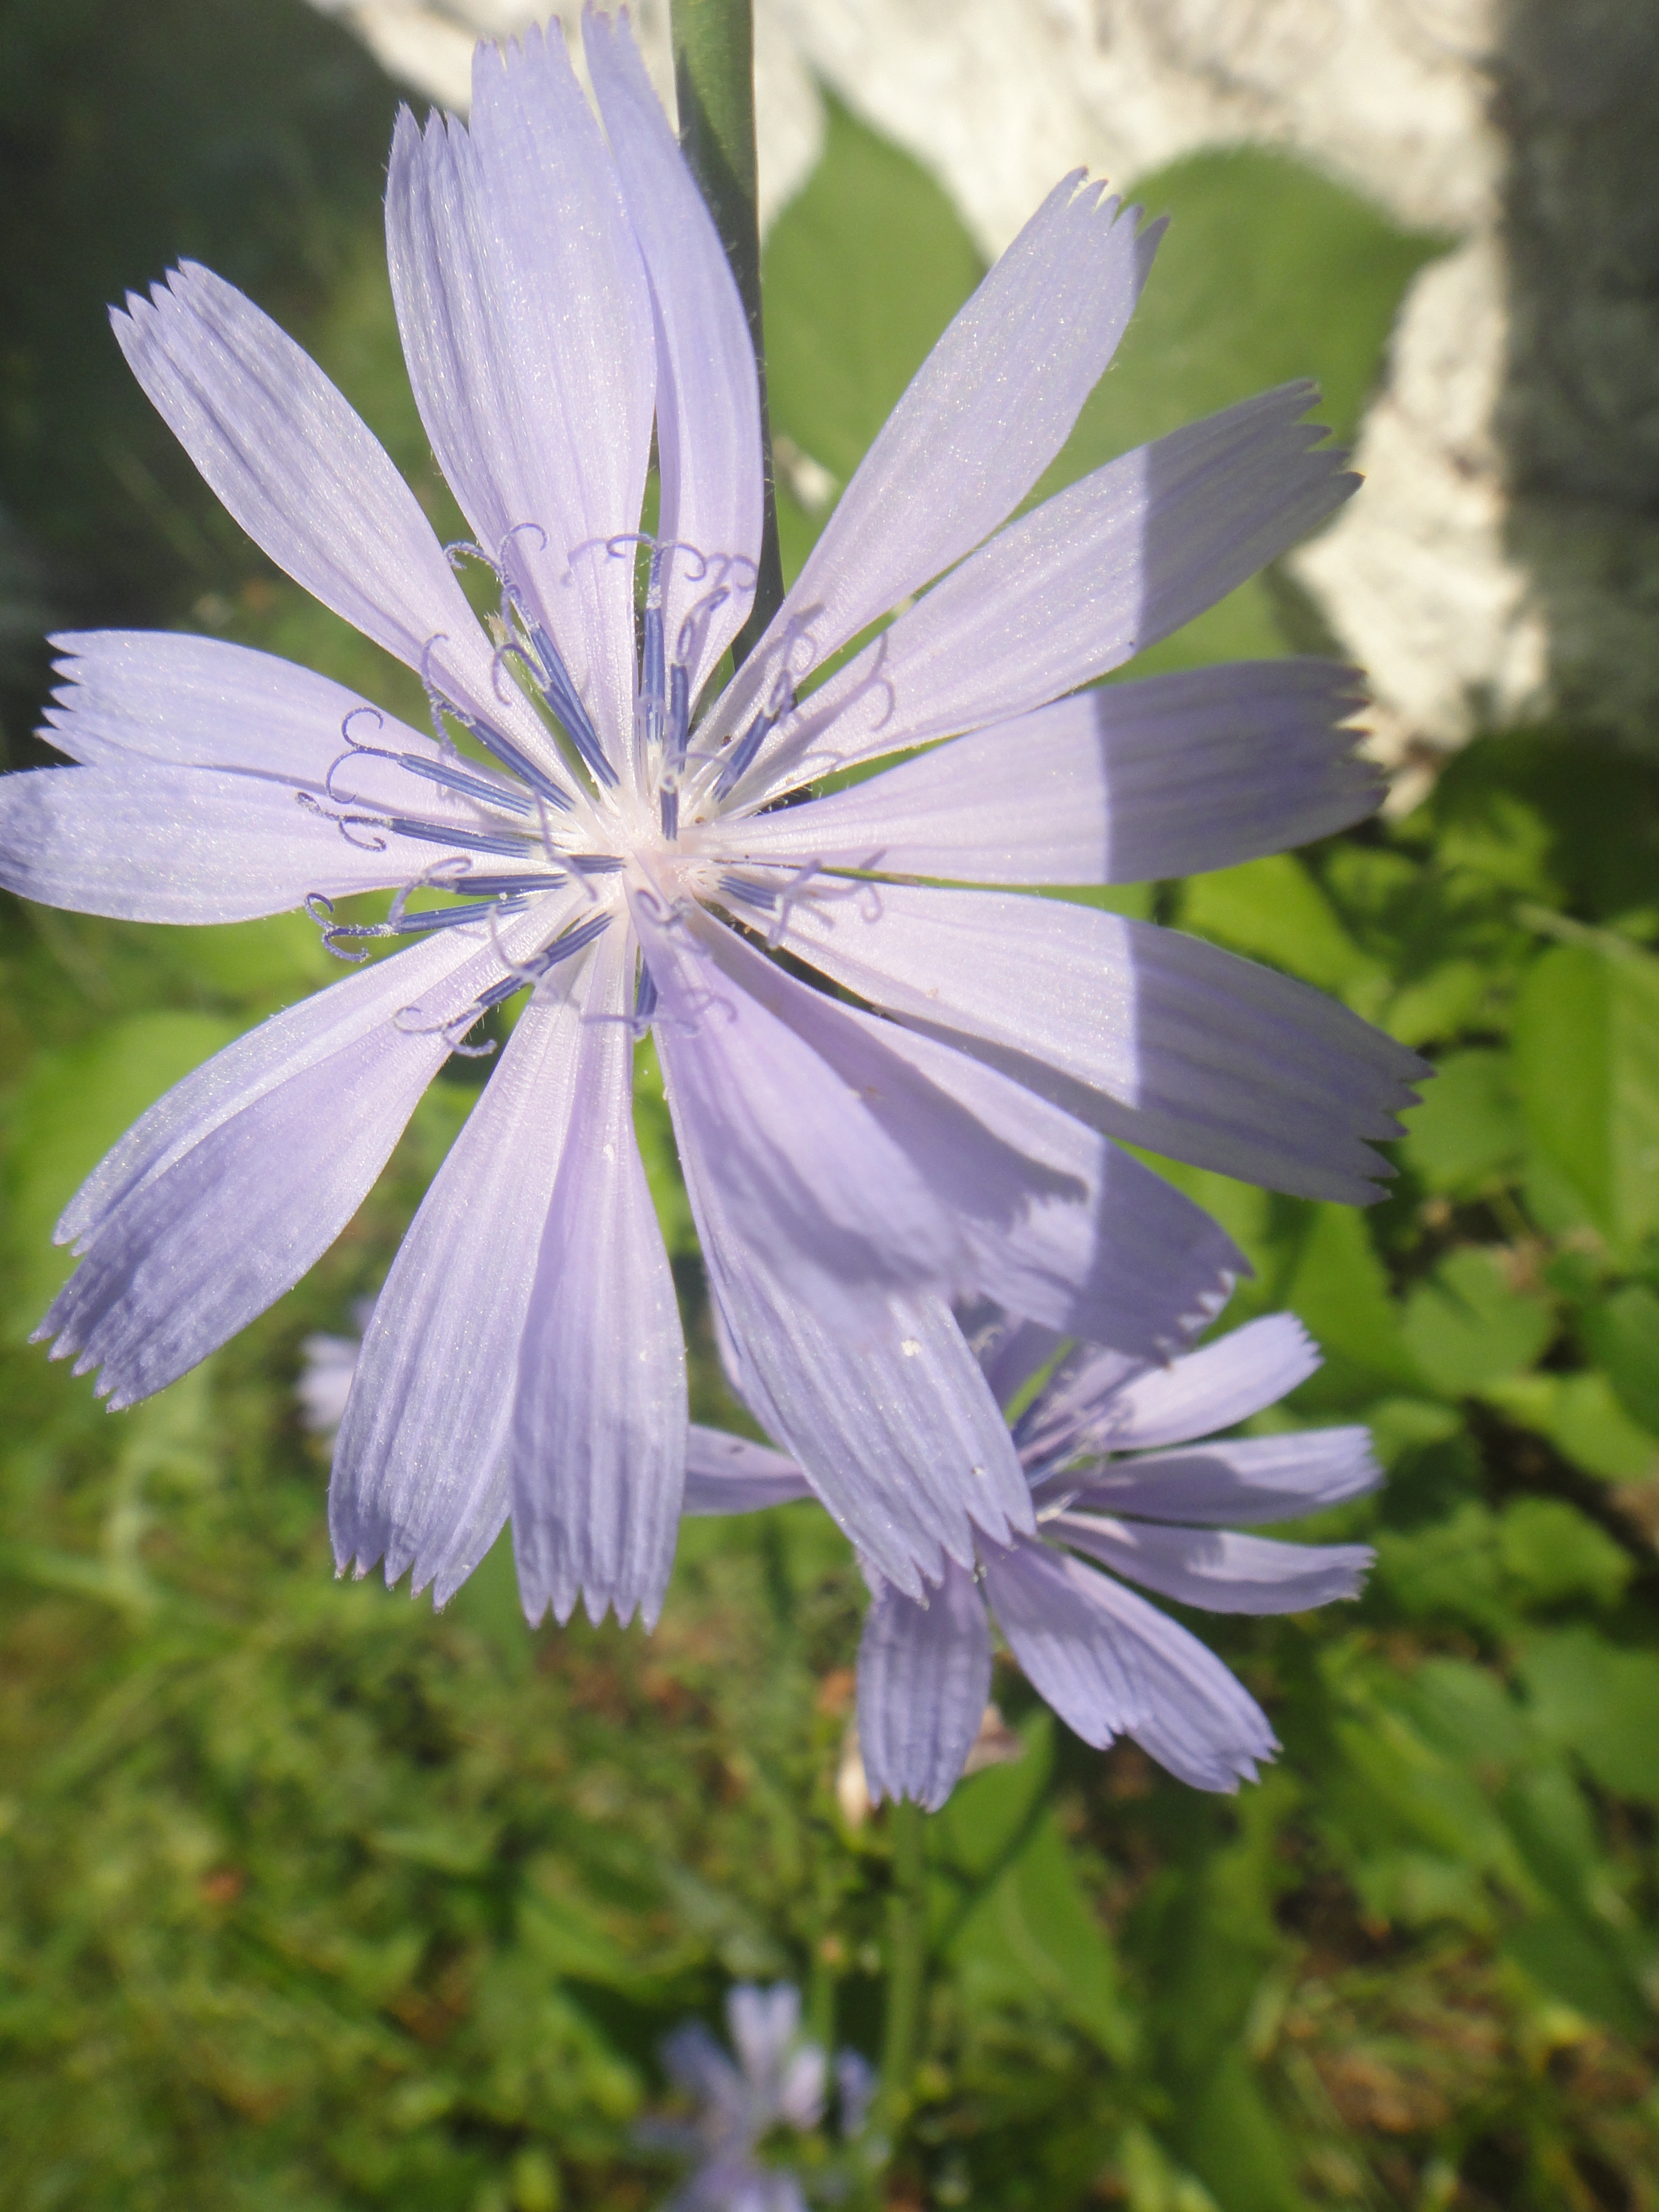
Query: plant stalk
{"type": "Point", "coordinates": [907, 1963]}
{"type": "Point", "coordinates": [714, 86]}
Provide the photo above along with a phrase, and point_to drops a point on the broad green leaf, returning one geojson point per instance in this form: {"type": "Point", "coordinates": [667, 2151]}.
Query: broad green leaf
{"type": "Point", "coordinates": [985, 1818]}
{"type": "Point", "coordinates": [1582, 1419]}
{"type": "Point", "coordinates": [1554, 1553]}
{"type": "Point", "coordinates": [1449, 997]}
{"type": "Point", "coordinates": [1622, 1335]}
{"type": "Point", "coordinates": [1410, 1786]}
{"type": "Point", "coordinates": [1272, 910]}
{"type": "Point", "coordinates": [1601, 1702]}
{"type": "Point", "coordinates": [1446, 1568]}
{"type": "Point", "coordinates": [1236, 2145]}
{"type": "Point", "coordinates": [1416, 1889]}
{"type": "Point", "coordinates": [1586, 1058]}
{"type": "Point", "coordinates": [1340, 1290]}
{"type": "Point", "coordinates": [1465, 1712]}
{"type": "Point", "coordinates": [1468, 1133]}
{"type": "Point", "coordinates": [73, 1106]}
{"type": "Point", "coordinates": [1554, 816]}
{"type": "Point", "coordinates": [446, 1846]}
{"type": "Point", "coordinates": [1154, 2182]}
{"type": "Point", "coordinates": [861, 273]}
{"type": "Point", "coordinates": [1032, 1931]}
{"type": "Point", "coordinates": [1582, 1966]}
{"type": "Point", "coordinates": [1006, 1906]}
{"type": "Point", "coordinates": [262, 963]}
{"type": "Point", "coordinates": [1268, 271]}
{"type": "Point", "coordinates": [1551, 1822]}
{"type": "Point", "coordinates": [1468, 1325]}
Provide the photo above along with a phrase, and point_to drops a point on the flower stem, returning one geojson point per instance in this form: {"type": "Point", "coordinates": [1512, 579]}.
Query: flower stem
{"type": "Point", "coordinates": [907, 1962]}
{"type": "Point", "coordinates": [714, 86]}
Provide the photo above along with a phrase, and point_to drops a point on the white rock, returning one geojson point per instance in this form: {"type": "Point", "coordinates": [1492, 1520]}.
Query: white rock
{"type": "Point", "coordinates": [1419, 579]}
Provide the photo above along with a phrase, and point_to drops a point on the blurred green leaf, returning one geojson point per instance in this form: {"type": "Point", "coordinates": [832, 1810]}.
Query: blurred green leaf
{"type": "Point", "coordinates": [1268, 272]}
{"type": "Point", "coordinates": [1600, 1703]}
{"type": "Point", "coordinates": [862, 271]}
{"type": "Point", "coordinates": [1555, 816]}
{"type": "Point", "coordinates": [1006, 1906]}
{"type": "Point", "coordinates": [1468, 1129]}
{"type": "Point", "coordinates": [70, 1110]}
{"type": "Point", "coordinates": [1586, 1059]}
{"type": "Point", "coordinates": [1272, 910]}
{"type": "Point", "coordinates": [1447, 1567]}
{"type": "Point", "coordinates": [1467, 1713]}
{"type": "Point", "coordinates": [1584, 1966]}
{"type": "Point", "coordinates": [1582, 1419]}
{"type": "Point", "coordinates": [1622, 1335]}
{"type": "Point", "coordinates": [1235, 2144]}
{"type": "Point", "coordinates": [1341, 1289]}
{"type": "Point", "coordinates": [261, 964]}
{"type": "Point", "coordinates": [1555, 1553]}
{"type": "Point", "coordinates": [654, 1128]}
{"type": "Point", "coordinates": [1468, 1324]}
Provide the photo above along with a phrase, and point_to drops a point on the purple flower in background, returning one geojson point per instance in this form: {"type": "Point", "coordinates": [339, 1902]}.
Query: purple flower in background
{"type": "Point", "coordinates": [779, 2082]}
{"type": "Point", "coordinates": [579, 826]}
{"type": "Point", "coordinates": [330, 1364]}
{"type": "Point", "coordinates": [1111, 1449]}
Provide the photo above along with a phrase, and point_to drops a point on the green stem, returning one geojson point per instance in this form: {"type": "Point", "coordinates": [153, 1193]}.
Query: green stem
{"type": "Point", "coordinates": [907, 1963]}
{"type": "Point", "coordinates": [714, 86]}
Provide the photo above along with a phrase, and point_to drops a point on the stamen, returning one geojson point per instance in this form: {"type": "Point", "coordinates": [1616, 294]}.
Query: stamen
{"type": "Point", "coordinates": [679, 712]}
{"type": "Point", "coordinates": [454, 1031]}
{"type": "Point", "coordinates": [549, 879]}
{"type": "Point", "coordinates": [759, 896]}
{"type": "Point", "coordinates": [736, 763]}
{"type": "Point", "coordinates": [729, 578]}
{"type": "Point", "coordinates": [473, 840]}
{"type": "Point", "coordinates": [463, 549]}
{"type": "Point", "coordinates": [347, 822]}
{"type": "Point", "coordinates": [502, 748]}
{"type": "Point", "coordinates": [652, 695]}
{"type": "Point", "coordinates": [644, 999]}
{"type": "Point", "coordinates": [560, 693]}
{"type": "Point", "coordinates": [518, 973]}
{"type": "Point", "coordinates": [487, 790]}
{"type": "Point", "coordinates": [573, 941]}
{"type": "Point", "coordinates": [679, 715]}
{"type": "Point", "coordinates": [399, 923]}
{"type": "Point", "coordinates": [789, 896]}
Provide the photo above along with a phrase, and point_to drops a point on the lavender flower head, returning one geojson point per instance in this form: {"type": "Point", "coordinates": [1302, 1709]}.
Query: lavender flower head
{"type": "Point", "coordinates": [1121, 1477]}
{"type": "Point", "coordinates": [779, 2082]}
{"type": "Point", "coordinates": [589, 827]}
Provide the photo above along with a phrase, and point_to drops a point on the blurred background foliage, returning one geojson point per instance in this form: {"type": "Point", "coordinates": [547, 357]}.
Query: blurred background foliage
{"type": "Point", "coordinates": [310, 1899]}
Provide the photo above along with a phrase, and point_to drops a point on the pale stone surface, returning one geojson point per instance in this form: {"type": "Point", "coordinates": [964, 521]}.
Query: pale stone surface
{"type": "Point", "coordinates": [1502, 561]}
{"type": "Point", "coordinates": [1416, 574]}
{"type": "Point", "coordinates": [999, 97]}
{"type": "Point", "coordinates": [427, 44]}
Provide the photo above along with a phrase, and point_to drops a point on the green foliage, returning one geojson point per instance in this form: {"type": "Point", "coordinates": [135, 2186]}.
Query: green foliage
{"type": "Point", "coordinates": [862, 272]}
{"type": "Point", "coordinates": [310, 1899]}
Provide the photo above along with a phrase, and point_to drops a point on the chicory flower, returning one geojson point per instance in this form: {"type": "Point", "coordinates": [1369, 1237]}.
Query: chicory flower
{"type": "Point", "coordinates": [779, 2083]}
{"type": "Point", "coordinates": [593, 822]}
{"type": "Point", "coordinates": [1126, 1473]}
